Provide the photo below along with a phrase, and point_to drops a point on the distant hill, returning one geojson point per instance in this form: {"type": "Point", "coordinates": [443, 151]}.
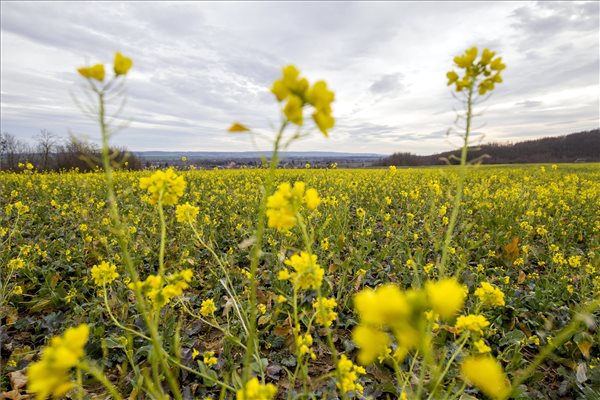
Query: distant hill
{"type": "Point", "coordinates": [576, 147]}
{"type": "Point", "coordinates": [175, 155]}
{"type": "Point", "coordinates": [289, 159]}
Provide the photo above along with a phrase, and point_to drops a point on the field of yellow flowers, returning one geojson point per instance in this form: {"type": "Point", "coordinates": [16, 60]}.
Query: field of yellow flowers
{"type": "Point", "coordinates": [526, 249]}
{"type": "Point", "coordinates": [460, 282]}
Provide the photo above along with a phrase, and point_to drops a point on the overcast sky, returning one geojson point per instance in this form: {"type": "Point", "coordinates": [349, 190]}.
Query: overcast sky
{"type": "Point", "coordinates": [198, 67]}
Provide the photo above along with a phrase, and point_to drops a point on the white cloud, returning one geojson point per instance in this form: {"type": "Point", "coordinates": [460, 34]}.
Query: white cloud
{"type": "Point", "coordinates": [200, 66]}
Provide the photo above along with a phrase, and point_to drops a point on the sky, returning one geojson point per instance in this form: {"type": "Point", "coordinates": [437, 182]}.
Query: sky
{"type": "Point", "coordinates": [198, 67]}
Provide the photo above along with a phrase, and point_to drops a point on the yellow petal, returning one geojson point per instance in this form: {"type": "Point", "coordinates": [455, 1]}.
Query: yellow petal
{"type": "Point", "coordinates": [237, 127]}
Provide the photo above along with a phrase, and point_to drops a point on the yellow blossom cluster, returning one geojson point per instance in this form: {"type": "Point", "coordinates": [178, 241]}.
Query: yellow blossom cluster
{"type": "Point", "coordinates": [163, 186]}
{"type": "Point", "coordinates": [306, 274]}
{"type": "Point", "coordinates": [490, 295]}
{"type": "Point", "coordinates": [209, 359]}
{"type": "Point", "coordinates": [254, 390]}
{"type": "Point", "coordinates": [50, 375]}
{"type": "Point", "coordinates": [16, 263]}
{"type": "Point", "coordinates": [104, 273]}
{"type": "Point", "coordinates": [349, 374]}
{"type": "Point", "coordinates": [487, 375]}
{"type": "Point", "coordinates": [299, 93]}
{"type": "Point", "coordinates": [207, 307]}
{"type": "Point", "coordinates": [324, 314]}
{"type": "Point", "coordinates": [389, 310]}
{"type": "Point", "coordinates": [304, 344]}
{"type": "Point", "coordinates": [186, 213]}
{"type": "Point", "coordinates": [473, 322]}
{"type": "Point", "coordinates": [121, 65]}
{"type": "Point", "coordinates": [487, 66]}
{"type": "Point", "coordinates": [446, 296]}
{"type": "Point", "coordinates": [283, 205]}
{"type": "Point", "coordinates": [161, 292]}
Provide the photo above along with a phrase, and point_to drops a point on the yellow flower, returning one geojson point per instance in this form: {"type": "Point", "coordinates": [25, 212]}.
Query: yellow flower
{"type": "Point", "coordinates": [297, 91]}
{"type": "Point", "coordinates": [254, 390]}
{"type": "Point", "coordinates": [208, 307]}
{"type": "Point", "coordinates": [490, 295]}
{"type": "Point", "coordinates": [386, 305]}
{"type": "Point", "coordinates": [163, 186]}
{"type": "Point", "coordinates": [209, 358]}
{"type": "Point", "coordinates": [482, 347]}
{"type": "Point", "coordinates": [307, 273]}
{"type": "Point", "coordinates": [471, 322]}
{"type": "Point", "coordinates": [293, 110]}
{"type": "Point", "coordinates": [104, 273]}
{"type": "Point", "coordinates": [95, 72]}
{"type": "Point", "coordinates": [371, 343]}
{"type": "Point", "coordinates": [312, 199]}
{"type": "Point", "coordinates": [324, 121]}
{"type": "Point", "coordinates": [324, 314]}
{"type": "Point", "coordinates": [349, 375]}
{"type": "Point", "coordinates": [237, 127]}
{"type": "Point", "coordinates": [262, 309]}
{"type": "Point", "coordinates": [16, 263]}
{"type": "Point", "coordinates": [50, 375]}
{"type": "Point", "coordinates": [195, 354]}
{"type": "Point", "coordinates": [486, 374]}
{"type": "Point", "coordinates": [186, 213]}
{"type": "Point", "coordinates": [283, 205]}
{"type": "Point", "coordinates": [452, 77]}
{"type": "Point", "coordinates": [485, 72]}
{"type": "Point", "coordinates": [466, 60]}
{"type": "Point", "coordinates": [360, 212]}
{"type": "Point", "coordinates": [446, 297]}
{"type": "Point", "coordinates": [487, 56]}
{"type": "Point", "coordinates": [121, 64]}
{"type": "Point", "coordinates": [321, 98]}
{"type": "Point", "coordinates": [304, 344]}
{"type": "Point", "coordinates": [17, 290]}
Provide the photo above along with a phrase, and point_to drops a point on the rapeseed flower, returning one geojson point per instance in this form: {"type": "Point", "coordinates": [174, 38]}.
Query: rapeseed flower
{"type": "Point", "coordinates": [349, 374]}
{"type": "Point", "coordinates": [298, 93]}
{"type": "Point", "coordinates": [324, 314]}
{"type": "Point", "coordinates": [487, 67]}
{"type": "Point", "coordinates": [254, 390]}
{"type": "Point", "coordinates": [446, 297]}
{"type": "Point", "coordinates": [209, 359]}
{"type": "Point", "coordinates": [94, 72]}
{"type": "Point", "coordinates": [473, 323]}
{"type": "Point", "coordinates": [371, 343]}
{"type": "Point", "coordinates": [186, 213]}
{"type": "Point", "coordinates": [385, 306]}
{"type": "Point", "coordinates": [485, 373]}
{"type": "Point", "coordinates": [208, 307]}
{"type": "Point", "coordinates": [283, 205]}
{"type": "Point", "coordinates": [104, 273]}
{"type": "Point", "coordinates": [306, 274]}
{"type": "Point", "coordinates": [122, 64]}
{"type": "Point", "coordinates": [50, 375]}
{"type": "Point", "coordinates": [490, 295]}
{"type": "Point", "coordinates": [163, 186]}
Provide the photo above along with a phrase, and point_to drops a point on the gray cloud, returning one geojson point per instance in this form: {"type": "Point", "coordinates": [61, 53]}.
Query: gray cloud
{"type": "Point", "coordinates": [388, 84]}
{"type": "Point", "coordinates": [200, 66]}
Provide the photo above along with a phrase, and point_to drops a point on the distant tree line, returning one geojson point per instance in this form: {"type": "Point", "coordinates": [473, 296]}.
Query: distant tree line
{"type": "Point", "coordinates": [577, 147]}
{"type": "Point", "coordinates": [50, 154]}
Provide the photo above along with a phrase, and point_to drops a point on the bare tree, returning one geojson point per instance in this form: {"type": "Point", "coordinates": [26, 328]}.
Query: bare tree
{"type": "Point", "coordinates": [12, 151]}
{"type": "Point", "coordinates": [46, 142]}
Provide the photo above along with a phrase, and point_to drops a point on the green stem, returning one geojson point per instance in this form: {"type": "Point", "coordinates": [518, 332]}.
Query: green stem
{"type": "Point", "coordinates": [459, 187]}
{"type": "Point", "coordinates": [561, 338]}
{"type": "Point", "coordinates": [123, 244]}
{"type": "Point", "coordinates": [441, 378]}
{"type": "Point", "coordinates": [100, 377]}
{"type": "Point", "coordinates": [256, 253]}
